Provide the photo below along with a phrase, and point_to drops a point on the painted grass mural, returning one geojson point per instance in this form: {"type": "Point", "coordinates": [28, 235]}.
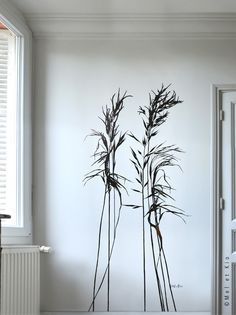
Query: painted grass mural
{"type": "Point", "coordinates": [151, 161]}
{"type": "Point", "coordinates": [109, 141]}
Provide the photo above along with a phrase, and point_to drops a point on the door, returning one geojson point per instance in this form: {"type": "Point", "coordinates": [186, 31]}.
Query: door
{"type": "Point", "coordinates": [227, 201]}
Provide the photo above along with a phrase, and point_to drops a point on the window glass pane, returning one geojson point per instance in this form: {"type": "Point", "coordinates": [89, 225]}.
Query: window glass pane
{"type": "Point", "coordinates": [8, 126]}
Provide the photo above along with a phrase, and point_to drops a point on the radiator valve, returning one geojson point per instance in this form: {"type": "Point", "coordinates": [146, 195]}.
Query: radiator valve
{"type": "Point", "coordinates": [45, 249]}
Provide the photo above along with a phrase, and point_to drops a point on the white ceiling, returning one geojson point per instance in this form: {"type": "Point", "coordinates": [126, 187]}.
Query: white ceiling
{"type": "Point", "coordinates": [31, 7]}
{"type": "Point", "coordinates": [132, 19]}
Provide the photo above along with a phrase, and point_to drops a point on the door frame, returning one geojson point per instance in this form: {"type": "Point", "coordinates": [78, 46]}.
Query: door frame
{"type": "Point", "coordinates": [216, 191]}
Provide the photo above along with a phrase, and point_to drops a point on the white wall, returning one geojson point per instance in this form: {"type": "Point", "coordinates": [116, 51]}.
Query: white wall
{"type": "Point", "coordinates": [73, 80]}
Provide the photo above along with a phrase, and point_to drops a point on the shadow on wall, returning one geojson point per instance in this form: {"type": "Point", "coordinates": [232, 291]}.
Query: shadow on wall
{"type": "Point", "coordinates": [63, 282]}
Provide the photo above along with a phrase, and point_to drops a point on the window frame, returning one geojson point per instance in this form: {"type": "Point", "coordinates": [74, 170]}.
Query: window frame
{"type": "Point", "coordinates": [14, 20]}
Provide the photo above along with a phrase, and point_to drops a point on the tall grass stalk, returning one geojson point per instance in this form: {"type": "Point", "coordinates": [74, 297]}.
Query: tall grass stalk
{"type": "Point", "coordinates": [151, 162]}
{"type": "Point", "coordinates": [109, 141]}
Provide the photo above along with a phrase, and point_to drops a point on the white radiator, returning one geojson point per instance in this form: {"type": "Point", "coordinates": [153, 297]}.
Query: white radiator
{"type": "Point", "coordinates": [20, 283]}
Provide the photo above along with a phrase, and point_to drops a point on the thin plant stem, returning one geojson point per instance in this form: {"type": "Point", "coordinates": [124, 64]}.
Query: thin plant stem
{"type": "Point", "coordinates": [98, 248]}
{"type": "Point", "coordinates": [163, 306]}
{"type": "Point", "coordinates": [162, 273]}
{"type": "Point", "coordinates": [144, 266]}
{"type": "Point", "coordinates": [144, 240]}
{"type": "Point", "coordinates": [106, 269]}
{"type": "Point", "coordinates": [160, 246]}
{"type": "Point", "coordinates": [114, 212]}
{"type": "Point", "coordinates": [109, 250]}
{"type": "Point", "coordinates": [169, 283]}
{"type": "Point", "coordinates": [114, 195]}
{"type": "Point", "coordinates": [160, 293]}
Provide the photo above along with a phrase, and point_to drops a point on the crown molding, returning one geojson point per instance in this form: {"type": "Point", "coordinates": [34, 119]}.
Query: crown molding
{"type": "Point", "coordinates": [13, 18]}
{"type": "Point", "coordinates": [133, 26]}
{"type": "Point", "coordinates": [131, 16]}
{"type": "Point", "coordinates": [134, 36]}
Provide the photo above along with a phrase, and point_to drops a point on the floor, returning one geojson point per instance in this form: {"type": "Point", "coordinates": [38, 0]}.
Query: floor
{"type": "Point", "coordinates": [122, 313]}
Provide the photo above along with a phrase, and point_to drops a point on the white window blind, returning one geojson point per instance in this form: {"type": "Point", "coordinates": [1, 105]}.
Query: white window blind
{"type": "Point", "coordinates": [15, 125]}
{"type": "Point", "coordinates": [8, 127]}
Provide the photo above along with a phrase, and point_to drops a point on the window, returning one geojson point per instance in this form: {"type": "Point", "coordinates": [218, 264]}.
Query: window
{"type": "Point", "coordinates": [8, 123]}
{"type": "Point", "coordinates": [15, 125]}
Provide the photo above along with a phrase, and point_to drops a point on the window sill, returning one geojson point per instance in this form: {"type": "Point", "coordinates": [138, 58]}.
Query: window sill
{"type": "Point", "coordinates": [17, 240]}
{"type": "Point", "coordinates": [16, 236]}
